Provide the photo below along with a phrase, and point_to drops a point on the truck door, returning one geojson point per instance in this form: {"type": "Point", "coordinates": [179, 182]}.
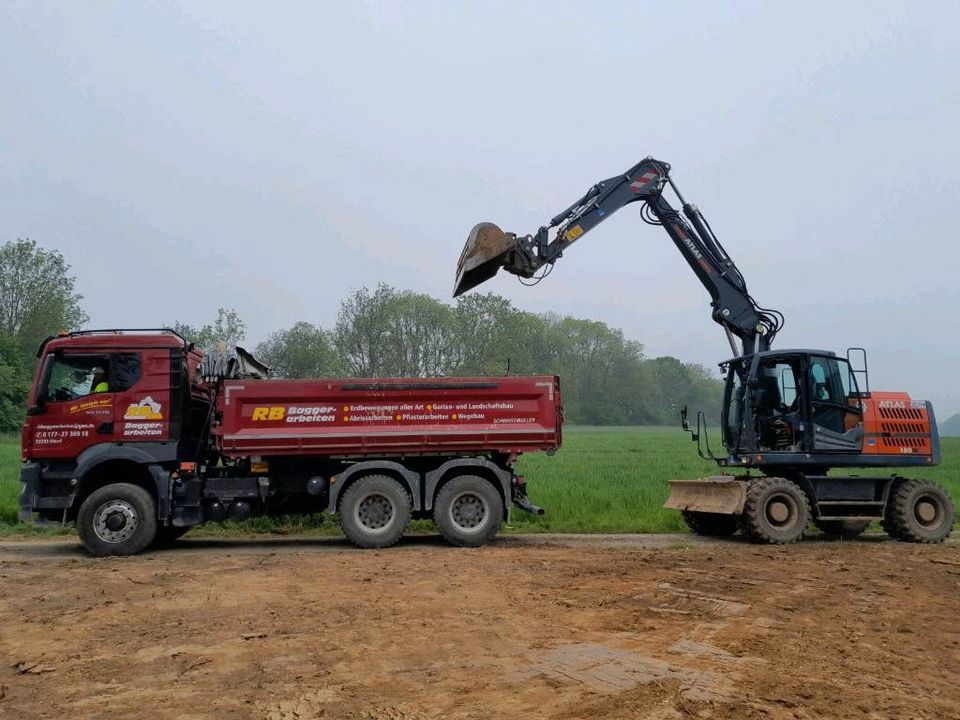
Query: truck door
{"type": "Point", "coordinates": [74, 406]}
{"type": "Point", "coordinates": [142, 412]}
{"type": "Point", "coordinates": [835, 409]}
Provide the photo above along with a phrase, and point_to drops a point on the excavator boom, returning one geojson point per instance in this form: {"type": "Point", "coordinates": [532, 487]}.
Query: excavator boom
{"type": "Point", "coordinates": [488, 248]}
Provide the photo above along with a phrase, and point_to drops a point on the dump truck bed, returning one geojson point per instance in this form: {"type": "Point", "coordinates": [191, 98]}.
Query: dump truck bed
{"type": "Point", "coordinates": [389, 416]}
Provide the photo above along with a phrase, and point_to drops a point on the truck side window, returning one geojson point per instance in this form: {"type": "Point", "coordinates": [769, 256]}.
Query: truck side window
{"type": "Point", "coordinates": [124, 371]}
{"type": "Point", "coordinates": [73, 376]}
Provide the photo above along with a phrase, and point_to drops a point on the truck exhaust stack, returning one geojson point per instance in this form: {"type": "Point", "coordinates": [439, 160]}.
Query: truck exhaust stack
{"type": "Point", "coordinates": [485, 252]}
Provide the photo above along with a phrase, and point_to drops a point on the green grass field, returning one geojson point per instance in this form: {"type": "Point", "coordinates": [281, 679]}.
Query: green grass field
{"type": "Point", "coordinates": [603, 480]}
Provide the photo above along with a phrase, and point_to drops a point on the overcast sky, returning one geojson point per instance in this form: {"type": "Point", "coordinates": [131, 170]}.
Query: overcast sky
{"type": "Point", "coordinates": [272, 156]}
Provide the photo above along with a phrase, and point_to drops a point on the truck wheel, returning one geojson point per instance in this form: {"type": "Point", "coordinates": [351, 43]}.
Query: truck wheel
{"type": "Point", "coordinates": [167, 534]}
{"type": "Point", "coordinates": [118, 519]}
{"type": "Point", "coordinates": [375, 511]}
{"type": "Point", "coordinates": [918, 511]}
{"type": "Point", "coordinates": [468, 511]}
{"type": "Point", "coordinates": [844, 529]}
{"type": "Point", "coordinates": [710, 524]}
{"type": "Point", "coordinates": [776, 511]}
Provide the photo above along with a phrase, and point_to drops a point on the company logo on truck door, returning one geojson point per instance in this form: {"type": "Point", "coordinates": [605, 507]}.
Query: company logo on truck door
{"type": "Point", "coordinates": [146, 409]}
{"type": "Point", "coordinates": [294, 413]}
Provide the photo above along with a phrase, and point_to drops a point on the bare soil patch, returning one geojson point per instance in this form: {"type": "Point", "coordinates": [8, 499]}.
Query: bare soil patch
{"type": "Point", "coordinates": [820, 630]}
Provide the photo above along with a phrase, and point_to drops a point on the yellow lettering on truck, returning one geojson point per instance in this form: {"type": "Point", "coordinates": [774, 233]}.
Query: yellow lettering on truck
{"type": "Point", "coordinates": [268, 413]}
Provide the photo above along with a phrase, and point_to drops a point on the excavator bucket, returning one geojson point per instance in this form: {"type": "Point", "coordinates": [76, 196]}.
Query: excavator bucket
{"type": "Point", "coordinates": [722, 494]}
{"type": "Point", "coordinates": [484, 253]}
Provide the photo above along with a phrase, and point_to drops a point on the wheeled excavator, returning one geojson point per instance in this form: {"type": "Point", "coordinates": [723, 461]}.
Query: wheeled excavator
{"type": "Point", "coordinates": [789, 417]}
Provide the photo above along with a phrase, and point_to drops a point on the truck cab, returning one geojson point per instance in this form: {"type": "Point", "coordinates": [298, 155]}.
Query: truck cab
{"type": "Point", "coordinates": [110, 402]}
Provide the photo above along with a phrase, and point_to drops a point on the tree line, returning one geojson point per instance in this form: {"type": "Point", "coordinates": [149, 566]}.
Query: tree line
{"type": "Point", "coordinates": [385, 332]}
{"type": "Point", "coordinates": [382, 332]}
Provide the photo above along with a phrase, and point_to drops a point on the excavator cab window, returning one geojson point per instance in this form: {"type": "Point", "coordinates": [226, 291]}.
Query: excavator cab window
{"type": "Point", "coordinates": [835, 407]}
{"type": "Point", "coordinates": [733, 408]}
{"type": "Point", "coordinates": [776, 407]}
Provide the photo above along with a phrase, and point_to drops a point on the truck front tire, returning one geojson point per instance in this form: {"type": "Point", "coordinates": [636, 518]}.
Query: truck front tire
{"type": "Point", "coordinates": [375, 511]}
{"type": "Point", "coordinates": [117, 519]}
{"type": "Point", "coordinates": [468, 511]}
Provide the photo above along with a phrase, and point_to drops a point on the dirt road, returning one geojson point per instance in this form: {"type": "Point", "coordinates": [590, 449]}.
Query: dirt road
{"type": "Point", "coordinates": [528, 628]}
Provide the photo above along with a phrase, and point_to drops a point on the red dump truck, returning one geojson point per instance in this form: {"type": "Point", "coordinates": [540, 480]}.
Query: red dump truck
{"type": "Point", "coordinates": [136, 436]}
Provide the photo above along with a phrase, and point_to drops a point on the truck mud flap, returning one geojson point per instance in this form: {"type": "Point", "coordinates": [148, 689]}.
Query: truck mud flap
{"type": "Point", "coordinates": [722, 494]}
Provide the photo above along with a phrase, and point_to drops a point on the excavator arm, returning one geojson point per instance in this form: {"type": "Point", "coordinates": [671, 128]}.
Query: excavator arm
{"type": "Point", "coordinates": [488, 249]}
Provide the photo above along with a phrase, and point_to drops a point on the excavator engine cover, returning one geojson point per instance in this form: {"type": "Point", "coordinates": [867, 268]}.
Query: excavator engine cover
{"type": "Point", "coordinates": [722, 494]}
{"type": "Point", "coordinates": [484, 253]}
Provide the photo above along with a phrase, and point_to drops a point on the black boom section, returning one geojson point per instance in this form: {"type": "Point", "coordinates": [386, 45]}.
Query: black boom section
{"type": "Point", "coordinates": [645, 182]}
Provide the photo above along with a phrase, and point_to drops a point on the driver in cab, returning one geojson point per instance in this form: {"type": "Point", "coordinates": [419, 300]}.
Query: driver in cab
{"type": "Point", "coordinates": [99, 382]}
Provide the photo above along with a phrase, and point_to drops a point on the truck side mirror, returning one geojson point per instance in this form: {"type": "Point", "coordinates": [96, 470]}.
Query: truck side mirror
{"type": "Point", "coordinates": [684, 422]}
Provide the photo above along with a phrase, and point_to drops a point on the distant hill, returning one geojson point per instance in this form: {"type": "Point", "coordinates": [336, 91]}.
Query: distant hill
{"type": "Point", "coordinates": [951, 426]}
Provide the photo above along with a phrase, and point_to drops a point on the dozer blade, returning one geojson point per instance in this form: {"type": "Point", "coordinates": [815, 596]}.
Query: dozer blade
{"type": "Point", "coordinates": [722, 494]}
{"type": "Point", "coordinates": [483, 255]}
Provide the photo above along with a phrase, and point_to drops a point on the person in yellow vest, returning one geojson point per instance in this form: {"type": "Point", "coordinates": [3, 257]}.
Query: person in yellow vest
{"type": "Point", "coordinates": [99, 384]}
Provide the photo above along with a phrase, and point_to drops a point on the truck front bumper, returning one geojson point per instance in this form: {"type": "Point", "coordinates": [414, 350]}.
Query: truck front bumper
{"type": "Point", "coordinates": [35, 497]}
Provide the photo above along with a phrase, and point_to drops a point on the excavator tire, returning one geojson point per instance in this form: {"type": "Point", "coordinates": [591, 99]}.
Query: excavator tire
{"type": "Point", "coordinates": [710, 524]}
{"type": "Point", "coordinates": [776, 511]}
{"type": "Point", "coordinates": [843, 529]}
{"type": "Point", "coordinates": [918, 511]}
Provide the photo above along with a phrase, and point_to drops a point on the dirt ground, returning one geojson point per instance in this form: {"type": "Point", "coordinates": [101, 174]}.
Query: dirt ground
{"type": "Point", "coordinates": [528, 628]}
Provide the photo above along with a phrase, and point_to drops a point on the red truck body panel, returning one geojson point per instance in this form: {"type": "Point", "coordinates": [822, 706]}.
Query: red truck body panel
{"type": "Point", "coordinates": [389, 416]}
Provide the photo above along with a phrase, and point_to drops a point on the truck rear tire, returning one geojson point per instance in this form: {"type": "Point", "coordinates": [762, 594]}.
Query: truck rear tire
{"type": "Point", "coordinates": [776, 511]}
{"type": "Point", "coordinates": [375, 511]}
{"type": "Point", "coordinates": [117, 519]}
{"type": "Point", "coordinates": [468, 511]}
{"type": "Point", "coordinates": [710, 524]}
{"type": "Point", "coordinates": [843, 529]}
{"type": "Point", "coordinates": [918, 511]}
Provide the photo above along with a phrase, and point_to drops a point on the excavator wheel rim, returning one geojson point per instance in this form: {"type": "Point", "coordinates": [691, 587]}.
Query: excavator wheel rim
{"type": "Point", "coordinates": [926, 512]}
{"type": "Point", "coordinates": [781, 510]}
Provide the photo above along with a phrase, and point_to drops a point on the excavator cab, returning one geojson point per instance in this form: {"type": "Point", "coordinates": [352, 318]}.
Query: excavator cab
{"type": "Point", "coordinates": [790, 404]}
